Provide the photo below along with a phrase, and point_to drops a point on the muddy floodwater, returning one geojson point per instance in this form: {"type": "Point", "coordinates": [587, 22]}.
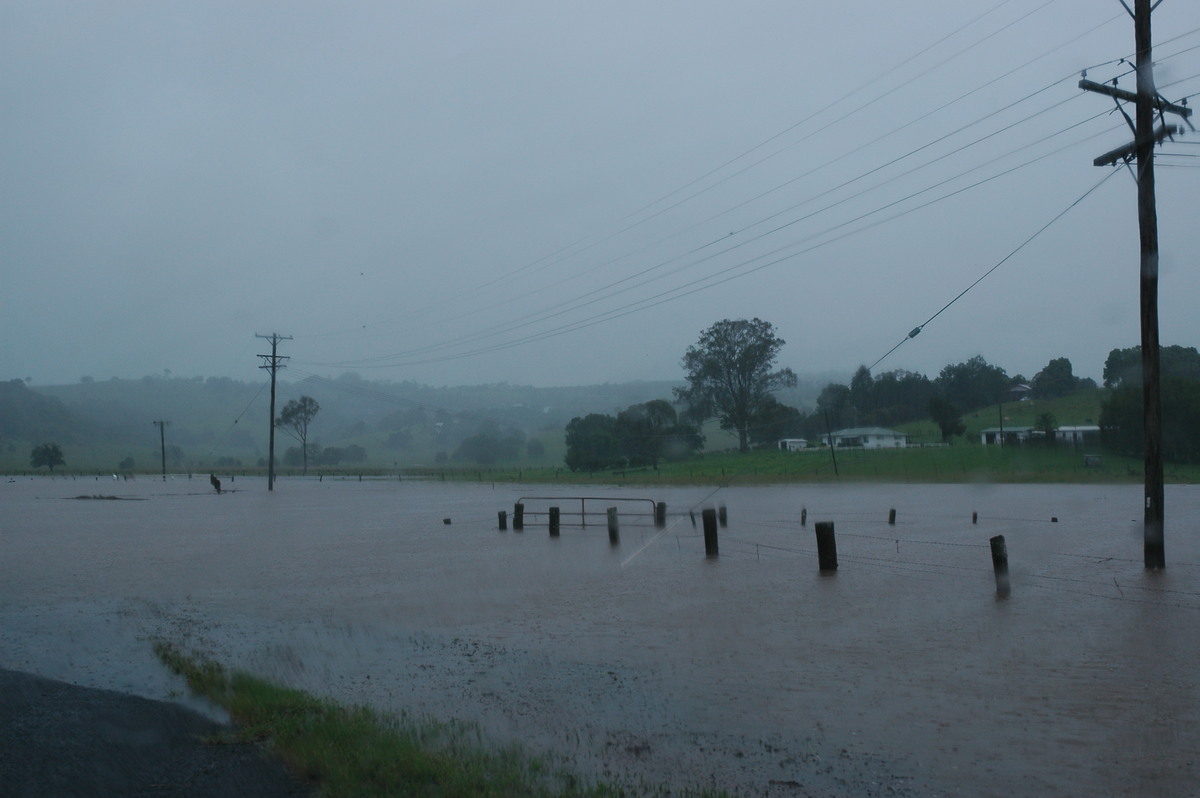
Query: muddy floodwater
{"type": "Point", "coordinates": [902, 673]}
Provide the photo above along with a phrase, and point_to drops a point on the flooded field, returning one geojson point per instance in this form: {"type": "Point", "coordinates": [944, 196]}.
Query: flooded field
{"type": "Point", "coordinates": [903, 673]}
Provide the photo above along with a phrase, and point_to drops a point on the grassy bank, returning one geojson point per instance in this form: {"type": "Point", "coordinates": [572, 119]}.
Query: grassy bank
{"type": "Point", "coordinates": [930, 464]}
{"type": "Point", "coordinates": [357, 751]}
{"type": "Point", "coordinates": [968, 463]}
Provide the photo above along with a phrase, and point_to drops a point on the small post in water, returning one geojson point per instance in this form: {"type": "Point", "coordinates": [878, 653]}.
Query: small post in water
{"type": "Point", "coordinates": [553, 522]}
{"type": "Point", "coordinates": [660, 515]}
{"type": "Point", "coordinates": [709, 519]}
{"type": "Point", "coordinates": [826, 547]}
{"type": "Point", "coordinates": [518, 517]}
{"type": "Point", "coordinates": [723, 516]}
{"type": "Point", "coordinates": [892, 517]}
{"type": "Point", "coordinates": [614, 531]}
{"type": "Point", "coordinates": [502, 516]}
{"type": "Point", "coordinates": [1000, 564]}
{"type": "Point", "coordinates": [803, 516]}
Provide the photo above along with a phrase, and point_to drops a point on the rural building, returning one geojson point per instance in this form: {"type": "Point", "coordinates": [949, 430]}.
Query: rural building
{"type": "Point", "coordinates": [793, 444]}
{"type": "Point", "coordinates": [1012, 435]}
{"type": "Point", "coordinates": [868, 438]}
{"type": "Point", "coordinates": [1019, 392]}
{"type": "Point", "coordinates": [1071, 435]}
{"type": "Point", "coordinates": [1077, 436]}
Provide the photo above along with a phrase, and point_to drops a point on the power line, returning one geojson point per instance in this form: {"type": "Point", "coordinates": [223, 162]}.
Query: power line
{"type": "Point", "coordinates": [741, 156]}
{"type": "Point", "coordinates": [597, 295]}
{"type": "Point", "coordinates": [916, 330]}
{"type": "Point", "coordinates": [723, 275]}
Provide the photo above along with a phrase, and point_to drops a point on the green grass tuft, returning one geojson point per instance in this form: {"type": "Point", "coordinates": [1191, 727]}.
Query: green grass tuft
{"type": "Point", "coordinates": [357, 751]}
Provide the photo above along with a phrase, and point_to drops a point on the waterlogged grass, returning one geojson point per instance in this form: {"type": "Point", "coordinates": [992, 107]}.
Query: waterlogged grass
{"type": "Point", "coordinates": [357, 751]}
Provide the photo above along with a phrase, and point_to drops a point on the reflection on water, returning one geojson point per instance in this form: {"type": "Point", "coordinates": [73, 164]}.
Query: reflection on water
{"type": "Point", "coordinates": [647, 656]}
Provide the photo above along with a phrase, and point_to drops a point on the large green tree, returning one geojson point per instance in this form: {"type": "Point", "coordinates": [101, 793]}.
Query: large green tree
{"type": "Point", "coordinates": [650, 432]}
{"type": "Point", "coordinates": [592, 442]}
{"type": "Point", "coordinates": [295, 419]}
{"type": "Point", "coordinates": [1121, 421]}
{"type": "Point", "coordinates": [774, 420]}
{"type": "Point", "coordinates": [947, 417]}
{"type": "Point", "coordinates": [730, 373]}
{"type": "Point", "coordinates": [972, 384]}
{"type": "Point", "coordinates": [46, 454]}
{"type": "Point", "coordinates": [1123, 367]}
{"type": "Point", "coordinates": [1057, 379]}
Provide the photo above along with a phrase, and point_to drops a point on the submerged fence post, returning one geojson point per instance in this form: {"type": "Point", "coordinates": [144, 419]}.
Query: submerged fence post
{"type": "Point", "coordinates": [723, 516]}
{"type": "Point", "coordinates": [826, 546]}
{"type": "Point", "coordinates": [553, 522]}
{"type": "Point", "coordinates": [1000, 564]}
{"type": "Point", "coordinates": [892, 517]}
{"type": "Point", "coordinates": [502, 517]}
{"type": "Point", "coordinates": [614, 531]}
{"type": "Point", "coordinates": [660, 515]}
{"type": "Point", "coordinates": [709, 518]}
{"type": "Point", "coordinates": [518, 517]}
{"type": "Point", "coordinates": [803, 516]}
{"type": "Point", "coordinates": [975, 518]}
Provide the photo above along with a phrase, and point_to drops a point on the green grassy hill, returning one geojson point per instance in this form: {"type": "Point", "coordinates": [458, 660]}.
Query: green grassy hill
{"type": "Point", "coordinates": [1075, 409]}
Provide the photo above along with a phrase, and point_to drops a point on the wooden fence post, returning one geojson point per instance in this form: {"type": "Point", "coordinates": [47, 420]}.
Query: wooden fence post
{"type": "Point", "coordinates": [502, 516]}
{"type": "Point", "coordinates": [826, 546]}
{"type": "Point", "coordinates": [553, 522]}
{"type": "Point", "coordinates": [518, 517]}
{"type": "Point", "coordinates": [660, 515]}
{"type": "Point", "coordinates": [1000, 564]}
{"type": "Point", "coordinates": [614, 531]}
{"type": "Point", "coordinates": [709, 519]}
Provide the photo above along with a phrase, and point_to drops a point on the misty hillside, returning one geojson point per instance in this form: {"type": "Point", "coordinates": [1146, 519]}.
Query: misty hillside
{"type": "Point", "coordinates": [220, 421]}
{"type": "Point", "coordinates": [27, 415]}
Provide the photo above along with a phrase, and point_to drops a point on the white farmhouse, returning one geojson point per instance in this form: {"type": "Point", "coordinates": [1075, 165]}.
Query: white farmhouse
{"type": "Point", "coordinates": [868, 438]}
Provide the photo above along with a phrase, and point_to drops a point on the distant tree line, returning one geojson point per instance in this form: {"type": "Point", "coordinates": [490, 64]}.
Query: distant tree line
{"type": "Point", "coordinates": [1121, 417]}
{"type": "Point", "coordinates": [640, 435]}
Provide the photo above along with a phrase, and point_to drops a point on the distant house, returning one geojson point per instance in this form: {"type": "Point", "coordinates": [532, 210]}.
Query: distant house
{"type": "Point", "coordinates": [1071, 435]}
{"type": "Point", "coordinates": [1012, 436]}
{"type": "Point", "coordinates": [867, 438]}
{"type": "Point", "coordinates": [1018, 392]}
{"type": "Point", "coordinates": [793, 444]}
{"type": "Point", "coordinates": [1078, 436]}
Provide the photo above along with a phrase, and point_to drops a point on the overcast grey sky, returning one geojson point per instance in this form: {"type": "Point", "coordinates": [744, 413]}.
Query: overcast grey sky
{"type": "Point", "coordinates": [562, 192]}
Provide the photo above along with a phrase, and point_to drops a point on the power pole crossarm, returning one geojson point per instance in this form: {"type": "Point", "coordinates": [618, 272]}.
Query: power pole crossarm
{"type": "Point", "coordinates": [1160, 105]}
{"type": "Point", "coordinates": [1130, 150]}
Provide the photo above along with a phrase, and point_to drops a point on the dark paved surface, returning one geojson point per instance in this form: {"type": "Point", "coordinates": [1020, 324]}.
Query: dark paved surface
{"type": "Point", "coordinates": [57, 739]}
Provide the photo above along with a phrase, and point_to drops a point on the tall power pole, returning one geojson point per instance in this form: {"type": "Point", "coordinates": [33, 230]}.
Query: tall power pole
{"type": "Point", "coordinates": [162, 441]}
{"type": "Point", "coordinates": [1147, 105]}
{"type": "Point", "coordinates": [273, 363]}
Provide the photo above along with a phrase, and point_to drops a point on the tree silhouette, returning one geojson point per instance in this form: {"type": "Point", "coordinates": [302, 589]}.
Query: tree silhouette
{"type": "Point", "coordinates": [46, 454]}
{"type": "Point", "coordinates": [295, 418]}
{"type": "Point", "coordinates": [729, 374]}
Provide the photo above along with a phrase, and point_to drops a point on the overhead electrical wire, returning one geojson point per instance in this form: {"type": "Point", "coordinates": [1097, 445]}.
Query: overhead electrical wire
{"type": "Point", "coordinates": [595, 295]}
{"type": "Point", "coordinates": [916, 330]}
{"type": "Point", "coordinates": [722, 276]}
{"type": "Point", "coordinates": [552, 256]}
{"type": "Point", "coordinates": [589, 300]}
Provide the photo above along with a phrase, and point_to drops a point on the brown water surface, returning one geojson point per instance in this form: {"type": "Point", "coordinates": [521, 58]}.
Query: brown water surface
{"type": "Point", "coordinates": [903, 671]}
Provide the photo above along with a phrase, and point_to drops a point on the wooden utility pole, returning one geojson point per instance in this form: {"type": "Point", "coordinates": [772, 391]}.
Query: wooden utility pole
{"type": "Point", "coordinates": [1147, 104]}
{"type": "Point", "coordinates": [273, 363]}
{"type": "Point", "coordinates": [162, 441]}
